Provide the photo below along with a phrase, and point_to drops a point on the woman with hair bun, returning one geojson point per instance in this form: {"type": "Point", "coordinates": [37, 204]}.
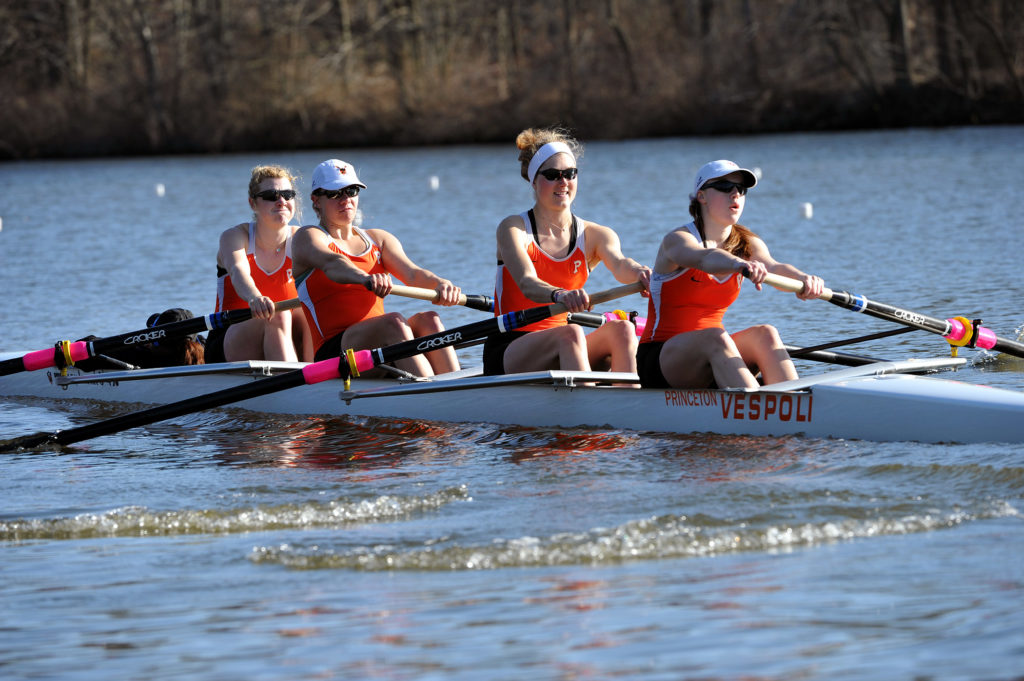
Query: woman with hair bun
{"type": "Point", "coordinates": [545, 255]}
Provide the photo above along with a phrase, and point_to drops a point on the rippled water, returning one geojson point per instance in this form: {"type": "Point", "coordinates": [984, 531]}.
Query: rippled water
{"type": "Point", "coordinates": [226, 545]}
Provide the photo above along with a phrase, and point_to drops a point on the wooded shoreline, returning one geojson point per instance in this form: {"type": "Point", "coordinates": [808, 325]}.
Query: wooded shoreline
{"type": "Point", "coordinates": [122, 77]}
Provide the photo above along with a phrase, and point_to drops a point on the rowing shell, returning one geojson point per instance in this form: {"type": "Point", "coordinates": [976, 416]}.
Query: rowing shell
{"type": "Point", "coordinates": [882, 401]}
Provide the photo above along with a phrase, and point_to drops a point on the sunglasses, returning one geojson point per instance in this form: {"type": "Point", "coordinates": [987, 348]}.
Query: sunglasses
{"type": "Point", "coordinates": [552, 174]}
{"type": "Point", "coordinates": [275, 194]}
{"type": "Point", "coordinates": [350, 192]}
{"type": "Point", "coordinates": [726, 187]}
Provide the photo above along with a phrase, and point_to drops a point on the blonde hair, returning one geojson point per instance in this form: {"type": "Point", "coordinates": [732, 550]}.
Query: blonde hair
{"type": "Point", "coordinates": [260, 173]}
{"type": "Point", "coordinates": [532, 139]}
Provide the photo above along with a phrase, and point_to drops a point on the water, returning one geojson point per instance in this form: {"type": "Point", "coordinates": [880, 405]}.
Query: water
{"type": "Point", "coordinates": [224, 545]}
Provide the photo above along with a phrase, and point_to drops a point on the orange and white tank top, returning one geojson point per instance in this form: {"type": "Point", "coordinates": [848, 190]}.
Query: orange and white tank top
{"type": "Point", "coordinates": [277, 285]}
{"type": "Point", "coordinates": [331, 307]}
{"type": "Point", "coordinates": [688, 300]}
{"type": "Point", "coordinates": [569, 272]}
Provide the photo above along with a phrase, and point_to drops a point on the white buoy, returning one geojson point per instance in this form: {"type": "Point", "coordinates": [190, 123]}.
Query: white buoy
{"type": "Point", "coordinates": [1, 224]}
{"type": "Point", "coordinates": [757, 172]}
{"type": "Point", "coordinates": [807, 211]}
{"type": "Point", "coordinates": [160, 189]}
{"type": "Point", "coordinates": [435, 182]}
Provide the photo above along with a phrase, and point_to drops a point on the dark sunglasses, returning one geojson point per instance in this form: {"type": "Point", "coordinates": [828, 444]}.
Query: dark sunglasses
{"type": "Point", "coordinates": [726, 187]}
{"type": "Point", "coordinates": [275, 194]}
{"type": "Point", "coordinates": [350, 191]}
{"type": "Point", "coordinates": [552, 174]}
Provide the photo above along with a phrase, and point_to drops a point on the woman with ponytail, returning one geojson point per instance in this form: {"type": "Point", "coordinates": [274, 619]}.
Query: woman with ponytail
{"type": "Point", "coordinates": [697, 276]}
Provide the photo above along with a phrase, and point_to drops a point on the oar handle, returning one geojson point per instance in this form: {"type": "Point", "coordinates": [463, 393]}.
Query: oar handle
{"type": "Point", "coordinates": [792, 285]}
{"type": "Point", "coordinates": [475, 302]}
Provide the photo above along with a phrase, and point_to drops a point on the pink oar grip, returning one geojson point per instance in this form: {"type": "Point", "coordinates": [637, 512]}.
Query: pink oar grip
{"type": "Point", "coordinates": [986, 338]}
{"type": "Point", "coordinates": [325, 370]}
{"type": "Point", "coordinates": [42, 359]}
{"type": "Point", "coordinates": [363, 361]}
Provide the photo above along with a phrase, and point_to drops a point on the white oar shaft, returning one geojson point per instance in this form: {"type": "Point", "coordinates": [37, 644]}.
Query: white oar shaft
{"type": "Point", "coordinates": [792, 285]}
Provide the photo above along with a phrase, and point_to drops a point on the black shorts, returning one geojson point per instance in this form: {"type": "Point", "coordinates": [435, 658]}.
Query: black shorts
{"type": "Point", "coordinates": [648, 365]}
{"type": "Point", "coordinates": [215, 346]}
{"type": "Point", "coordinates": [494, 351]}
{"type": "Point", "coordinates": [330, 348]}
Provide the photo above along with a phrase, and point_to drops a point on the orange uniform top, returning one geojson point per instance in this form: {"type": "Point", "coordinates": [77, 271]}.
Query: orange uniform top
{"type": "Point", "coordinates": [331, 307]}
{"type": "Point", "coordinates": [687, 300]}
{"type": "Point", "coordinates": [277, 285]}
{"type": "Point", "coordinates": [569, 272]}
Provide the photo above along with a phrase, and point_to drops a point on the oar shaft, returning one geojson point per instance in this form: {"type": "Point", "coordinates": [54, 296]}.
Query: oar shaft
{"type": "Point", "coordinates": [364, 360]}
{"type": "Point", "coordinates": [65, 354]}
{"type": "Point", "coordinates": [951, 329]}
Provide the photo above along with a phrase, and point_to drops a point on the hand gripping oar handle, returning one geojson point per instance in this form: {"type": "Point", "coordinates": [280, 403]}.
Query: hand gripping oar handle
{"type": "Point", "coordinates": [475, 302]}
{"type": "Point", "coordinates": [364, 360]}
{"type": "Point", "coordinates": [336, 367]}
{"type": "Point", "coordinates": [956, 331]}
{"type": "Point", "coordinates": [66, 353]}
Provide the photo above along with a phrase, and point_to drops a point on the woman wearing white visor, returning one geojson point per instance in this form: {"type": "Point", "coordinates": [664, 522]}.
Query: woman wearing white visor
{"type": "Point", "coordinates": [697, 276]}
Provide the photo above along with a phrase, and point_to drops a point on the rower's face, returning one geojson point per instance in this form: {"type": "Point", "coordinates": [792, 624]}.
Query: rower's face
{"type": "Point", "coordinates": [269, 203]}
{"type": "Point", "coordinates": [724, 198]}
{"type": "Point", "coordinates": [338, 207]}
{"type": "Point", "coordinates": [560, 191]}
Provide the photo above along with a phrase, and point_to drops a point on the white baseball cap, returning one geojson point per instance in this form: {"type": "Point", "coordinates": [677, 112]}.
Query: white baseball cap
{"type": "Point", "coordinates": [717, 169]}
{"type": "Point", "coordinates": [334, 174]}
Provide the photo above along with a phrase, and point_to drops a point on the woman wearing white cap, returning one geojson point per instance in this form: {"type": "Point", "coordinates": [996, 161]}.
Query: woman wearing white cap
{"type": "Point", "coordinates": [697, 276]}
{"type": "Point", "coordinates": [343, 273]}
{"type": "Point", "coordinates": [545, 255]}
{"type": "Point", "coordinates": [254, 270]}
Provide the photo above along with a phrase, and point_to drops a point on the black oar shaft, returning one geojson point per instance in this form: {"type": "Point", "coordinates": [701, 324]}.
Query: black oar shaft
{"type": "Point", "coordinates": [163, 412]}
{"type": "Point", "coordinates": [55, 357]}
{"type": "Point", "coordinates": [977, 335]}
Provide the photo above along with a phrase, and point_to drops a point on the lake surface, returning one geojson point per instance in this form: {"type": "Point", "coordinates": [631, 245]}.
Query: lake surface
{"type": "Point", "coordinates": [225, 545]}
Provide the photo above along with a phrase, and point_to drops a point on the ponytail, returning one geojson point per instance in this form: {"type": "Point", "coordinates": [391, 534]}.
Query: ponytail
{"type": "Point", "coordinates": [738, 241]}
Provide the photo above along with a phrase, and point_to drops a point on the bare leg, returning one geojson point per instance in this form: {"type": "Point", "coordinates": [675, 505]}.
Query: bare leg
{"type": "Point", "coordinates": [612, 346]}
{"type": "Point", "coordinates": [762, 347]}
{"type": "Point", "coordinates": [696, 358]}
{"type": "Point", "coordinates": [386, 329]}
{"type": "Point", "coordinates": [302, 339]}
{"type": "Point", "coordinates": [259, 339]}
{"type": "Point", "coordinates": [442, 360]}
{"type": "Point", "coordinates": [563, 347]}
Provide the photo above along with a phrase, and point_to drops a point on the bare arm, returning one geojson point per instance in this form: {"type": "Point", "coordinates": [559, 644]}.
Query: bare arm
{"type": "Point", "coordinates": [608, 248]}
{"type": "Point", "coordinates": [398, 263]}
{"type": "Point", "coordinates": [231, 255]}
{"type": "Point", "coordinates": [512, 252]}
{"type": "Point", "coordinates": [311, 250]}
{"type": "Point", "coordinates": [813, 285]}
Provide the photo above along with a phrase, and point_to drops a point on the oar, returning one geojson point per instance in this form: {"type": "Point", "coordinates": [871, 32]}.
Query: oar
{"type": "Point", "coordinates": [338, 367]}
{"type": "Point", "coordinates": [66, 353]}
{"type": "Point", "coordinates": [475, 302]}
{"type": "Point", "coordinates": [958, 331]}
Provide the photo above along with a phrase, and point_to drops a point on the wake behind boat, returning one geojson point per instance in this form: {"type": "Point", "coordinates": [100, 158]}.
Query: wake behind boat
{"type": "Point", "coordinates": [881, 401]}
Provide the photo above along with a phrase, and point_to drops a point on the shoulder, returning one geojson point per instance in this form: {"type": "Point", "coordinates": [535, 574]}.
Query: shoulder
{"type": "Point", "coordinates": [512, 222]}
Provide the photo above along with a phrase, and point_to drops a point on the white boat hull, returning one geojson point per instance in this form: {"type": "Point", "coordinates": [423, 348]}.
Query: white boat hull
{"type": "Point", "coordinates": [871, 403]}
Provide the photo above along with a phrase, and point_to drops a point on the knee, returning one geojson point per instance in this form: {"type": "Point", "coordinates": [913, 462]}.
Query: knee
{"type": "Point", "coordinates": [423, 323]}
{"type": "Point", "coordinates": [572, 335]}
{"type": "Point", "coordinates": [768, 334]}
{"type": "Point", "coordinates": [395, 325]}
{"type": "Point", "coordinates": [715, 339]}
{"type": "Point", "coordinates": [623, 333]}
